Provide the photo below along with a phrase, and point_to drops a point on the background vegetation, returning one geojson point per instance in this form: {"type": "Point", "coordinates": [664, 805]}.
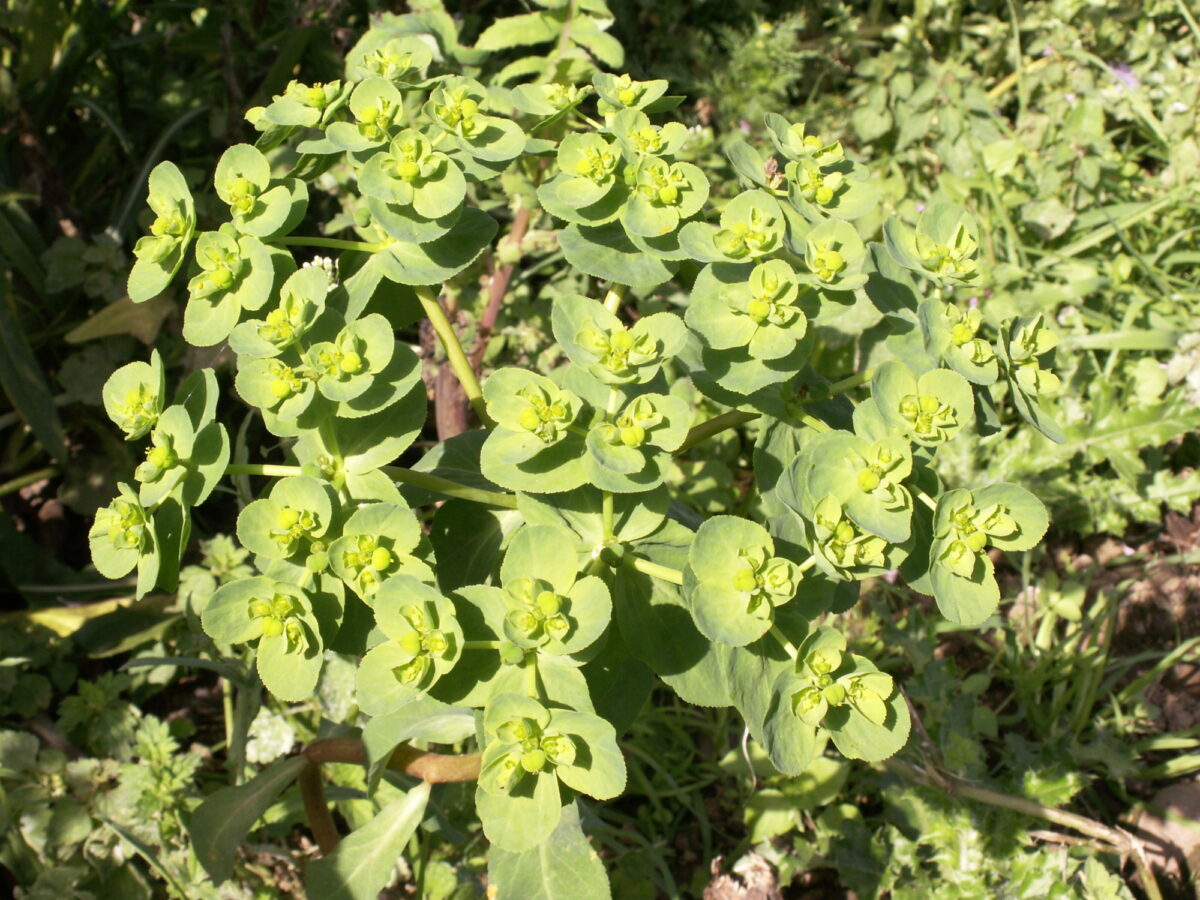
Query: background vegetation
{"type": "Point", "coordinates": [1069, 128]}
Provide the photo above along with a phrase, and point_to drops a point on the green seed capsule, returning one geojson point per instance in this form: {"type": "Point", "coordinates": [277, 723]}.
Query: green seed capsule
{"type": "Point", "coordinates": [868, 480]}
{"type": "Point", "coordinates": [548, 603]}
{"type": "Point", "coordinates": [350, 363]}
{"type": "Point", "coordinates": [529, 419]}
{"type": "Point", "coordinates": [381, 558]}
{"type": "Point", "coordinates": [633, 436]}
{"type": "Point", "coordinates": [287, 519]}
{"type": "Point", "coordinates": [744, 580]}
{"type": "Point", "coordinates": [272, 628]}
{"type": "Point", "coordinates": [408, 170]}
{"type": "Point", "coordinates": [410, 643]}
{"type": "Point", "coordinates": [976, 541]}
{"type": "Point", "coordinates": [533, 761]}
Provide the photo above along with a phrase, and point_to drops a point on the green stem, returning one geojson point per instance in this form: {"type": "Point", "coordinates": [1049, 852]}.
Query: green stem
{"type": "Point", "coordinates": [481, 645]}
{"type": "Point", "coordinates": [22, 481]}
{"type": "Point", "coordinates": [606, 515]}
{"type": "Point", "coordinates": [454, 353]}
{"type": "Point", "coordinates": [807, 564]}
{"type": "Point", "coordinates": [714, 426]}
{"type": "Point", "coordinates": [853, 381]}
{"type": "Point", "coordinates": [787, 645]}
{"type": "Point", "coordinates": [332, 244]}
{"type": "Point", "coordinates": [612, 300]}
{"type": "Point", "coordinates": [925, 498]}
{"type": "Point", "coordinates": [434, 483]}
{"type": "Point", "coordinates": [450, 488]}
{"type": "Point", "coordinates": [531, 686]}
{"type": "Point", "coordinates": [29, 478]}
{"type": "Point", "coordinates": [656, 571]}
{"type": "Point", "coordinates": [814, 423]}
{"type": "Point", "coordinates": [735, 417]}
{"type": "Point", "coordinates": [269, 471]}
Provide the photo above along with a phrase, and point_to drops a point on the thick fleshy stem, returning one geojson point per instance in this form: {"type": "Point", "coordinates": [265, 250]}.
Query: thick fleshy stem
{"type": "Point", "coordinates": [454, 352]}
{"type": "Point", "coordinates": [435, 768]}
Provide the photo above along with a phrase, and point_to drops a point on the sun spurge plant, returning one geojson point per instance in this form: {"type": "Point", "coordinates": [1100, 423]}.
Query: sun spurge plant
{"type": "Point", "coordinates": [535, 609]}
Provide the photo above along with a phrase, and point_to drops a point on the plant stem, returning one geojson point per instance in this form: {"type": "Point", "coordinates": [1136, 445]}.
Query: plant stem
{"type": "Point", "coordinates": [269, 471]}
{"type": "Point", "coordinates": [434, 483]}
{"type": "Point", "coordinates": [814, 423]}
{"type": "Point", "coordinates": [21, 481]}
{"type": "Point", "coordinates": [656, 571]}
{"type": "Point", "coordinates": [606, 515]}
{"type": "Point", "coordinates": [450, 488]}
{"type": "Point", "coordinates": [714, 426]}
{"type": "Point", "coordinates": [735, 417]}
{"type": "Point", "coordinates": [787, 645]}
{"type": "Point", "coordinates": [332, 244]}
{"type": "Point", "coordinates": [851, 382]}
{"type": "Point", "coordinates": [612, 300]}
{"type": "Point", "coordinates": [925, 498]}
{"type": "Point", "coordinates": [454, 352]}
{"type": "Point", "coordinates": [481, 645]}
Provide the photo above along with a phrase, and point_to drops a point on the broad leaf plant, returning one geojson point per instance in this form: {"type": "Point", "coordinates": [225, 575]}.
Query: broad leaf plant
{"type": "Point", "coordinates": [546, 644]}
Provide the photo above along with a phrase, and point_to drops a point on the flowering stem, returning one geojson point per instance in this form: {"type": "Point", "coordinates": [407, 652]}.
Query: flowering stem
{"type": "Point", "coordinates": [787, 645]}
{"type": "Point", "coordinates": [269, 471]}
{"type": "Point", "coordinates": [454, 352]}
{"type": "Point", "coordinates": [425, 480]}
{"type": "Point", "coordinates": [606, 515]}
{"type": "Point", "coordinates": [714, 426]}
{"type": "Point", "coordinates": [925, 498]}
{"type": "Point", "coordinates": [481, 645]}
{"type": "Point", "coordinates": [853, 381]}
{"type": "Point", "coordinates": [332, 244]}
{"type": "Point", "coordinates": [656, 571]}
{"type": "Point", "coordinates": [612, 300]}
{"type": "Point", "coordinates": [450, 488]}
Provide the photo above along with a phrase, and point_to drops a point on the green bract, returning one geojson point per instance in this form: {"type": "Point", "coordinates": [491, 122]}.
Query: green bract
{"type": "Point", "coordinates": [235, 274]}
{"type": "Point", "coordinates": [929, 410]}
{"type": "Point", "coordinates": [734, 581]}
{"type": "Point", "coordinates": [301, 300]}
{"type": "Point", "coordinates": [377, 542]}
{"type": "Point", "coordinates": [967, 523]}
{"type": "Point", "coordinates": [279, 616]}
{"type": "Point", "coordinates": [122, 538]}
{"type": "Point", "coordinates": [423, 642]}
{"type": "Point", "coordinates": [953, 334]}
{"type": "Point", "coordinates": [528, 750]}
{"type": "Point", "coordinates": [133, 396]}
{"type": "Point", "coordinates": [261, 206]}
{"type": "Point", "coordinates": [595, 339]}
{"type": "Point", "coordinates": [760, 314]}
{"type": "Point", "coordinates": [943, 246]}
{"type": "Point", "coordinates": [160, 253]}
{"type": "Point", "coordinates": [376, 110]}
